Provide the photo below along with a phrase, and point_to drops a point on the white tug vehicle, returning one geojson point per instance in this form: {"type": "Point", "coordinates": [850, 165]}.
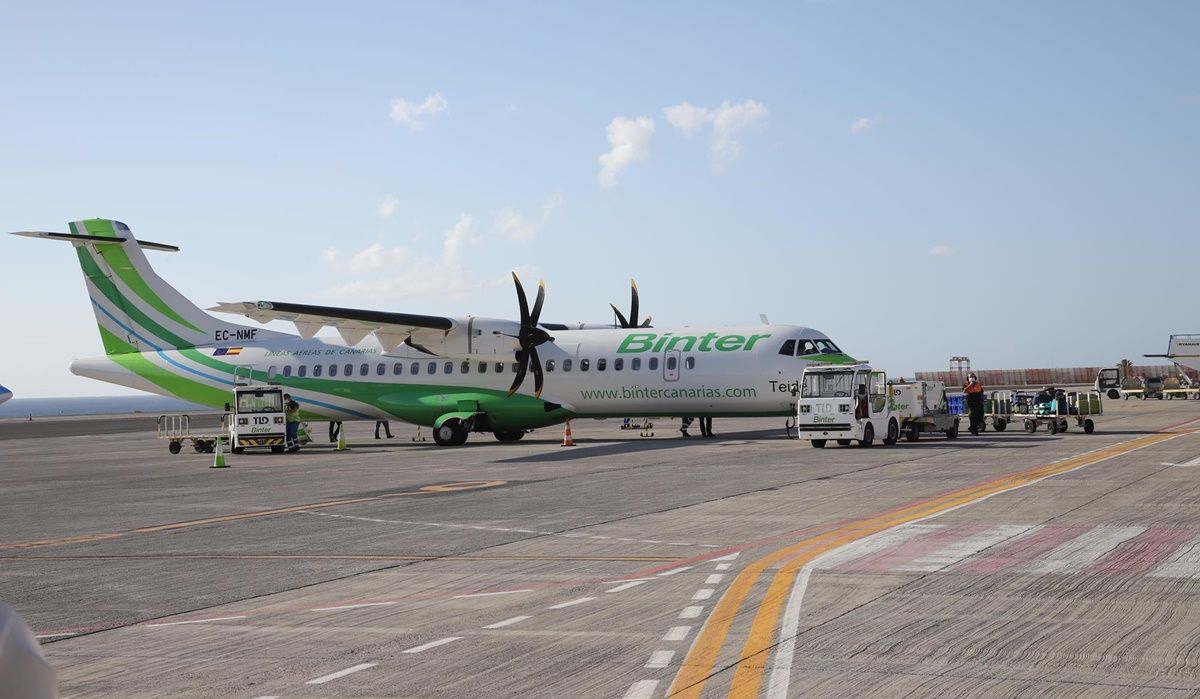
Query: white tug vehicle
{"type": "Point", "coordinates": [858, 403]}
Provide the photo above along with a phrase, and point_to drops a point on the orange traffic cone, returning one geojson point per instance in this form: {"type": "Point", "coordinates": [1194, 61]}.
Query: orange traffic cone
{"type": "Point", "coordinates": [567, 440]}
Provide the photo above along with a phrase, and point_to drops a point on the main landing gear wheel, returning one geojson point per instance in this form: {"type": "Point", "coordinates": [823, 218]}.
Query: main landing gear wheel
{"type": "Point", "coordinates": [868, 436]}
{"type": "Point", "coordinates": [1000, 424]}
{"type": "Point", "coordinates": [1031, 426]}
{"type": "Point", "coordinates": [818, 443]}
{"type": "Point", "coordinates": [509, 435]}
{"type": "Point", "coordinates": [451, 433]}
{"type": "Point", "coordinates": [1089, 426]}
{"type": "Point", "coordinates": [893, 433]}
{"type": "Point", "coordinates": [843, 442]}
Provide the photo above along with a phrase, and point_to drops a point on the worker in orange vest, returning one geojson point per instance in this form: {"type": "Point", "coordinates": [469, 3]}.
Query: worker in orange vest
{"type": "Point", "coordinates": [974, 391]}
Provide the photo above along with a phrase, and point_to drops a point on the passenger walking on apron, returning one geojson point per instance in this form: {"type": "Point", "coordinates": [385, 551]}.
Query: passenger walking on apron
{"type": "Point", "coordinates": [387, 429]}
{"type": "Point", "coordinates": [706, 426]}
{"type": "Point", "coordinates": [974, 391]}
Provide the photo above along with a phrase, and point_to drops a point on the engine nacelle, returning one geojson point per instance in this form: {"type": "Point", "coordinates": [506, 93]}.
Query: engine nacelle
{"type": "Point", "coordinates": [486, 339]}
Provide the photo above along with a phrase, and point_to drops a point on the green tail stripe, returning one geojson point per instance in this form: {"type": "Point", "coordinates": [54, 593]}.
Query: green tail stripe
{"type": "Point", "coordinates": [175, 384]}
{"type": "Point", "coordinates": [118, 260]}
{"type": "Point", "coordinates": [114, 295]}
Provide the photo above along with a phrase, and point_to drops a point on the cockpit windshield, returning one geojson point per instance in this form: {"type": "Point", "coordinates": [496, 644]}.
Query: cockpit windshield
{"type": "Point", "coordinates": [816, 347]}
{"type": "Point", "coordinates": [828, 384]}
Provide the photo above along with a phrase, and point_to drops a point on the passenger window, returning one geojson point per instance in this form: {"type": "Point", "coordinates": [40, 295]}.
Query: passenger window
{"type": "Point", "coordinates": [601, 364]}
{"type": "Point", "coordinates": [397, 369]}
{"type": "Point", "coordinates": [584, 364]}
{"type": "Point", "coordinates": [549, 365]}
{"type": "Point", "coordinates": [414, 368]}
{"type": "Point", "coordinates": [302, 371]}
{"type": "Point", "coordinates": [483, 367]}
{"type": "Point", "coordinates": [618, 364]}
{"type": "Point", "coordinates": [287, 371]}
{"type": "Point", "coordinates": [316, 370]}
{"type": "Point", "coordinates": [652, 364]}
{"type": "Point", "coordinates": [672, 362]}
{"type": "Point", "coordinates": [788, 349]}
{"type": "Point", "coordinates": [689, 362]}
{"type": "Point", "coordinates": [432, 367]}
{"type": "Point", "coordinates": [364, 369]}
{"type": "Point", "coordinates": [466, 367]}
{"type": "Point", "coordinates": [271, 372]}
{"type": "Point", "coordinates": [635, 364]}
{"type": "Point", "coordinates": [380, 370]}
{"type": "Point", "coordinates": [448, 368]}
{"type": "Point", "coordinates": [332, 370]}
{"type": "Point", "coordinates": [499, 367]}
{"type": "Point", "coordinates": [349, 370]}
{"type": "Point", "coordinates": [566, 365]}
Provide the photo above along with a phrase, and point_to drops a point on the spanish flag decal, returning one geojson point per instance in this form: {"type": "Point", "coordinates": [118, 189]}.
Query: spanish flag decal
{"type": "Point", "coordinates": [227, 351]}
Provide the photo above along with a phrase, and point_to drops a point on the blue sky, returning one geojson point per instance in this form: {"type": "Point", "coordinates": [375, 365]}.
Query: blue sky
{"type": "Point", "coordinates": [1016, 182]}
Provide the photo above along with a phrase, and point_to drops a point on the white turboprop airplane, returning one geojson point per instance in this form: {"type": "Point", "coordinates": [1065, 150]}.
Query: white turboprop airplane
{"type": "Point", "coordinates": [456, 375]}
{"type": "Point", "coordinates": [1184, 350]}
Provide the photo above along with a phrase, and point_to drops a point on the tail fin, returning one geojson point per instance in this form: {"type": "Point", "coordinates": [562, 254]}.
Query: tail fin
{"type": "Point", "coordinates": [137, 310]}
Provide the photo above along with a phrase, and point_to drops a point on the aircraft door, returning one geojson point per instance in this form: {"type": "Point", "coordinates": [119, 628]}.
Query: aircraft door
{"type": "Point", "coordinates": [671, 365]}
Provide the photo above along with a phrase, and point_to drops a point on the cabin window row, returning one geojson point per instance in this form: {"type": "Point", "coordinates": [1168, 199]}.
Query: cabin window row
{"type": "Point", "coordinates": [447, 367]}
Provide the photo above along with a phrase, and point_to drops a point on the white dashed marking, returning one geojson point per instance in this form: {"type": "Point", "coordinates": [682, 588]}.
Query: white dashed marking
{"type": "Point", "coordinates": [507, 622]}
{"type": "Point", "coordinates": [340, 673]}
{"type": "Point", "coordinates": [626, 586]}
{"type": "Point", "coordinates": [691, 612]}
{"type": "Point", "coordinates": [491, 594]}
{"type": "Point", "coordinates": [703, 593]}
{"type": "Point", "coordinates": [642, 690]}
{"type": "Point", "coordinates": [572, 603]}
{"type": "Point", "coordinates": [714, 579]}
{"type": "Point", "coordinates": [351, 606]}
{"type": "Point", "coordinates": [660, 659]}
{"type": "Point", "coordinates": [724, 566]}
{"type": "Point", "coordinates": [673, 571]}
{"type": "Point", "coordinates": [677, 633]}
{"type": "Point", "coordinates": [198, 621]}
{"type": "Point", "coordinates": [432, 644]}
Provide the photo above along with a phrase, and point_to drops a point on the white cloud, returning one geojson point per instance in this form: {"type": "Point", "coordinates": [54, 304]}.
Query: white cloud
{"type": "Point", "coordinates": [728, 121]}
{"type": "Point", "coordinates": [459, 235]}
{"type": "Point", "coordinates": [414, 115]}
{"type": "Point", "coordinates": [862, 125]}
{"type": "Point", "coordinates": [511, 225]}
{"type": "Point", "coordinates": [374, 256]}
{"type": "Point", "coordinates": [388, 205]}
{"type": "Point", "coordinates": [687, 117]}
{"type": "Point", "coordinates": [941, 251]}
{"type": "Point", "coordinates": [630, 141]}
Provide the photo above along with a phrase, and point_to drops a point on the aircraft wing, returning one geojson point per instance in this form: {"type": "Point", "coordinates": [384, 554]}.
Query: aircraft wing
{"type": "Point", "coordinates": [392, 329]}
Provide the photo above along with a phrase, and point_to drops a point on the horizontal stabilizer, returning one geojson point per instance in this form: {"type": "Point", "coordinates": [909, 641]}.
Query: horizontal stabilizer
{"type": "Point", "coordinates": [47, 235]}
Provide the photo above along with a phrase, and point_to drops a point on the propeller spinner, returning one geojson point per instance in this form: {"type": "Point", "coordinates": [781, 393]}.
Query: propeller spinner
{"type": "Point", "coordinates": [528, 338]}
{"type": "Point", "coordinates": [632, 321]}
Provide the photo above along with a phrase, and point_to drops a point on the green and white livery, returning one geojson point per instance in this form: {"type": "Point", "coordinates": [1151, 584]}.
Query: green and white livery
{"type": "Point", "coordinates": [457, 375]}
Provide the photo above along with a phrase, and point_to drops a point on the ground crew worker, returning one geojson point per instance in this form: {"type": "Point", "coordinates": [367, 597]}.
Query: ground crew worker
{"type": "Point", "coordinates": [292, 409]}
{"type": "Point", "coordinates": [974, 391]}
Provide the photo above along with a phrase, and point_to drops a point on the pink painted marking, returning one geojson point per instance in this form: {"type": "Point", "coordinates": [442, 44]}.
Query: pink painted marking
{"type": "Point", "coordinates": [1143, 552]}
{"type": "Point", "coordinates": [1022, 550]}
{"type": "Point", "coordinates": [911, 550]}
